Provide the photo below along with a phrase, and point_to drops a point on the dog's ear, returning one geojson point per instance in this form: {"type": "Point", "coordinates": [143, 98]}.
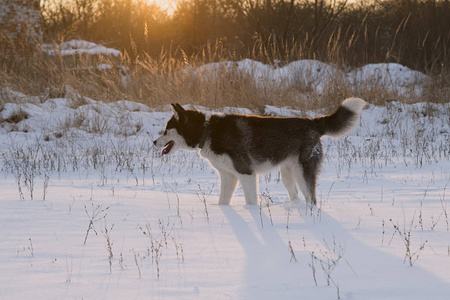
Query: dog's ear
{"type": "Point", "coordinates": [178, 110]}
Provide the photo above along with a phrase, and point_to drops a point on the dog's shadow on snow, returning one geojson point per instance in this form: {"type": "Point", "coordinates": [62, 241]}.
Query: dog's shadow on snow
{"type": "Point", "coordinates": [261, 243]}
{"type": "Point", "coordinates": [368, 268]}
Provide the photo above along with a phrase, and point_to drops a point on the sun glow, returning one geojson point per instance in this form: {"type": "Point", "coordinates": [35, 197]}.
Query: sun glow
{"type": "Point", "coordinates": [166, 5]}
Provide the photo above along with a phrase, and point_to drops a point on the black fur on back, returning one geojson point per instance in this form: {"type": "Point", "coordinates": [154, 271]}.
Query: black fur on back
{"type": "Point", "coordinates": [252, 139]}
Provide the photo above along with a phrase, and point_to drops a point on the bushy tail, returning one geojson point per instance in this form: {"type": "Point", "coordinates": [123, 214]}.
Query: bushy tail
{"type": "Point", "coordinates": [343, 120]}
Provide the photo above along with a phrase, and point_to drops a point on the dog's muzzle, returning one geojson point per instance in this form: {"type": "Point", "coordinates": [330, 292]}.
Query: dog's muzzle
{"type": "Point", "coordinates": [167, 147]}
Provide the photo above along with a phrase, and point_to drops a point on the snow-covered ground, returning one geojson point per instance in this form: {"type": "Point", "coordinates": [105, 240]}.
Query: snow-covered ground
{"type": "Point", "coordinates": [90, 210]}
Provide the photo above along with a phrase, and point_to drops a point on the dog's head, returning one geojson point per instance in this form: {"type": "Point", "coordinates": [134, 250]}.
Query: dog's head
{"type": "Point", "coordinates": [183, 131]}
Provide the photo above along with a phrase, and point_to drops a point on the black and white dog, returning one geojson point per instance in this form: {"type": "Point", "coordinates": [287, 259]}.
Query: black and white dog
{"type": "Point", "coordinates": [241, 146]}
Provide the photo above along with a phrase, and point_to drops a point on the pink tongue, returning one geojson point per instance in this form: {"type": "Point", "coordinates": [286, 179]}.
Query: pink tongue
{"type": "Point", "coordinates": [167, 148]}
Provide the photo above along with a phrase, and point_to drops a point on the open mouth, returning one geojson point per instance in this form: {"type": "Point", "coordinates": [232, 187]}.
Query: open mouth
{"type": "Point", "coordinates": [168, 147]}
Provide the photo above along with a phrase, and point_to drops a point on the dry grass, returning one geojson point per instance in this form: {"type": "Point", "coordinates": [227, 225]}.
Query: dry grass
{"type": "Point", "coordinates": [167, 79]}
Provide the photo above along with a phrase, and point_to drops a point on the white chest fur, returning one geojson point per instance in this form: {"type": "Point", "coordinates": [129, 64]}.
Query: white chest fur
{"type": "Point", "coordinates": [217, 161]}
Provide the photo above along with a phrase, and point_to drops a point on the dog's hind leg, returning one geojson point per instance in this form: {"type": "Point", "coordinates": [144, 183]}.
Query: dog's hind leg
{"type": "Point", "coordinates": [250, 187]}
{"type": "Point", "coordinates": [228, 183]}
{"type": "Point", "coordinates": [301, 181]}
{"type": "Point", "coordinates": [288, 179]}
{"type": "Point", "coordinates": [306, 180]}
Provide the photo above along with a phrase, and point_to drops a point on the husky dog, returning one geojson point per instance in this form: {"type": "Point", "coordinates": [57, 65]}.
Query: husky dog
{"type": "Point", "coordinates": [241, 146]}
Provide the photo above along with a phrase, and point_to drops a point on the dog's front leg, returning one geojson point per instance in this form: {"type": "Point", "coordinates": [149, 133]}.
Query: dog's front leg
{"type": "Point", "coordinates": [250, 187]}
{"type": "Point", "coordinates": [228, 183]}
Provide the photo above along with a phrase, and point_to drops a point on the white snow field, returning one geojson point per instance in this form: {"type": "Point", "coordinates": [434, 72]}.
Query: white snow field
{"type": "Point", "coordinates": [90, 210]}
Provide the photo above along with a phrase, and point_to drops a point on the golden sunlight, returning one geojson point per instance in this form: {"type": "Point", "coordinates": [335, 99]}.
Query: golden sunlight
{"type": "Point", "coordinates": [167, 5]}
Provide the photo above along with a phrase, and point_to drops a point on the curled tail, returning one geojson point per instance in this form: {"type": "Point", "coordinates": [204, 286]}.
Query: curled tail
{"type": "Point", "coordinates": [343, 120]}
